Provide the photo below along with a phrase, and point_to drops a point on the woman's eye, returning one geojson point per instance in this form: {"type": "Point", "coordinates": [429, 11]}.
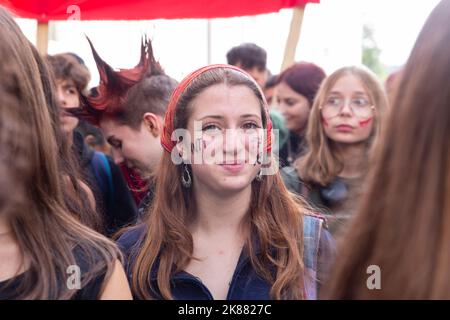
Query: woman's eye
{"type": "Point", "coordinates": [290, 102]}
{"type": "Point", "coordinates": [71, 91]}
{"type": "Point", "coordinates": [333, 101]}
{"type": "Point", "coordinates": [250, 125]}
{"type": "Point", "coordinates": [360, 102]}
{"type": "Point", "coordinates": [116, 144]}
{"type": "Point", "coordinates": [210, 128]}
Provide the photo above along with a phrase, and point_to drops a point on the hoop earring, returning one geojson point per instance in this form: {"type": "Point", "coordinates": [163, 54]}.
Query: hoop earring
{"type": "Point", "coordinates": [259, 176]}
{"type": "Point", "coordinates": [186, 180]}
{"type": "Point", "coordinates": [258, 158]}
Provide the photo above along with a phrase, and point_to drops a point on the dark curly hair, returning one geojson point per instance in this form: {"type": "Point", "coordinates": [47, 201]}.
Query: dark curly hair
{"type": "Point", "coordinates": [67, 66]}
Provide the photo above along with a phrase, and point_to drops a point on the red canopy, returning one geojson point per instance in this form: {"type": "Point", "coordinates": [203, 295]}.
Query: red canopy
{"type": "Point", "coordinates": [45, 10]}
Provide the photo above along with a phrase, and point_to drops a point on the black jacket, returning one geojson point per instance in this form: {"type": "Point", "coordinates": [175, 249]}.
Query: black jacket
{"type": "Point", "coordinates": [291, 150]}
{"type": "Point", "coordinates": [112, 196]}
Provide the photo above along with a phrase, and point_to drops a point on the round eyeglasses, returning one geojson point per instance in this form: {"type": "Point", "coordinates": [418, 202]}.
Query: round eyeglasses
{"type": "Point", "coordinates": [361, 107]}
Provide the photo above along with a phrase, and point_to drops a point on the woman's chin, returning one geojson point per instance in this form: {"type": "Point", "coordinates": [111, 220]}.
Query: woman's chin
{"type": "Point", "coordinates": [230, 184]}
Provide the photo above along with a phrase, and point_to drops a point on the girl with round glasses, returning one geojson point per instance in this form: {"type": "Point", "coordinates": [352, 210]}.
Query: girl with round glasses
{"type": "Point", "coordinates": [345, 120]}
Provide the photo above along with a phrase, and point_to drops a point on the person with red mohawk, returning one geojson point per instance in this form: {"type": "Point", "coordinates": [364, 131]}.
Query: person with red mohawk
{"type": "Point", "coordinates": [129, 105]}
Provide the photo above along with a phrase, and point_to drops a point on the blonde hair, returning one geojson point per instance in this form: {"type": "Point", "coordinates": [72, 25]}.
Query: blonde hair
{"type": "Point", "coordinates": [321, 164]}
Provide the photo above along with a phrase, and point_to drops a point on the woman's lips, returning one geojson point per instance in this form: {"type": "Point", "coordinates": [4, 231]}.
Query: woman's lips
{"type": "Point", "coordinates": [344, 128]}
{"type": "Point", "coordinates": [232, 167]}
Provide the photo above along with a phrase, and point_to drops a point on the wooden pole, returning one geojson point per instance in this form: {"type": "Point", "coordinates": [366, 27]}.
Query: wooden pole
{"type": "Point", "coordinates": [293, 37]}
{"type": "Point", "coordinates": [42, 37]}
{"type": "Point", "coordinates": [208, 41]}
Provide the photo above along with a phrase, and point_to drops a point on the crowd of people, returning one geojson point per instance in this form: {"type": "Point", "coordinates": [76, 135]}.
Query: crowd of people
{"type": "Point", "coordinates": [234, 183]}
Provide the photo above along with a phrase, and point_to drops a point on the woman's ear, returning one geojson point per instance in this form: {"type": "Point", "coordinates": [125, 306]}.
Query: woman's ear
{"type": "Point", "coordinates": [153, 123]}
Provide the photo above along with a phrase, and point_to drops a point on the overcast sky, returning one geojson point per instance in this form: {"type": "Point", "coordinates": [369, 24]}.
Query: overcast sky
{"type": "Point", "coordinates": [331, 36]}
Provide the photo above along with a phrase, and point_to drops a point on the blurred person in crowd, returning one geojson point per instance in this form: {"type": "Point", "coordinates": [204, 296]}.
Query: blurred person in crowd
{"type": "Point", "coordinates": [269, 90]}
{"type": "Point", "coordinates": [129, 105]}
{"type": "Point", "coordinates": [346, 118]}
{"type": "Point", "coordinates": [296, 88]}
{"type": "Point", "coordinates": [277, 118]}
{"type": "Point", "coordinates": [250, 58]}
{"type": "Point", "coordinates": [112, 196]}
{"type": "Point", "coordinates": [93, 137]}
{"type": "Point", "coordinates": [280, 130]}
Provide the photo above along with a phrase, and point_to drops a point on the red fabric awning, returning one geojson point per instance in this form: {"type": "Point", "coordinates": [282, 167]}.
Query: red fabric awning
{"type": "Point", "coordinates": [45, 10]}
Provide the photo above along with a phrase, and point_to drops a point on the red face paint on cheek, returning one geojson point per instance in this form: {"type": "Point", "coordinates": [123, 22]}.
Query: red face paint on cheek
{"type": "Point", "coordinates": [325, 122]}
{"type": "Point", "coordinates": [365, 123]}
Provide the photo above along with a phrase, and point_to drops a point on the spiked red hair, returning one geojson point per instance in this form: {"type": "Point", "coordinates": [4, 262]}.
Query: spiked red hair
{"type": "Point", "coordinates": [111, 93]}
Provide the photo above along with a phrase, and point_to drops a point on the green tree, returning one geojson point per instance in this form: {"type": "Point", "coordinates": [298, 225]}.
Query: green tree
{"type": "Point", "coordinates": [371, 52]}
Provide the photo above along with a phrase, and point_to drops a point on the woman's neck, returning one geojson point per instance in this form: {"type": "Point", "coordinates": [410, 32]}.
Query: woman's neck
{"type": "Point", "coordinates": [218, 213]}
{"type": "Point", "coordinates": [354, 159]}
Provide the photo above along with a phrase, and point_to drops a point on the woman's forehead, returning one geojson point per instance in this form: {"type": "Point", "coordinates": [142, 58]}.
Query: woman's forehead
{"type": "Point", "coordinates": [226, 100]}
{"type": "Point", "coordinates": [348, 84]}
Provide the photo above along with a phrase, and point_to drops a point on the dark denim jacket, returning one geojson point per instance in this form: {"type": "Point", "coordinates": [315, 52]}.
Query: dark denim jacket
{"type": "Point", "coordinates": [246, 284]}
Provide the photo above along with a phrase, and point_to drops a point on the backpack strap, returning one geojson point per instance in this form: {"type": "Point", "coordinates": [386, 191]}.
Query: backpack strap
{"type": "Point", "coordinates": [103, 174]}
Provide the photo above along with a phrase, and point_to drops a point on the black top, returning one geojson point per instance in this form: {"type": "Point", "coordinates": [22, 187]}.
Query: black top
{"type": "Point", "coordinates": [246, 284]}
{"type": "Point", "coordinates": [89, 291]}
{"type": "Point", "coordinates": [338, 200]}
{"type": "Point", "coordinates": [291, 150]}
{"type": "Point", "coordinates": [118, 210]}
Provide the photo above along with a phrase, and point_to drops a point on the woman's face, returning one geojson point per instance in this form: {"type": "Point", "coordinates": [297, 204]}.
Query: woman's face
{"type": "Point", "coordinates": [223, 126]}
{"type": "Point", "coordinates": [68, 98]}
{"type": "Point", "coordinates": [294, 107]}
{"type": "Point", "coordinates": [347, 112]}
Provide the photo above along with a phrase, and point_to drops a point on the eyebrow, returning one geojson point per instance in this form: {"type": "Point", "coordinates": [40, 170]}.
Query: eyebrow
{"type": "Point", "coordinates": [218, 117]}
{"type": "Point", "coordinates": [356, 92]}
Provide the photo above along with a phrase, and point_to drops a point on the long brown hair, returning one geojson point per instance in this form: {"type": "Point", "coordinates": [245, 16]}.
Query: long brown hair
{"type": "Point", "coordinates": [74, 195]}
{"type": "Point", "coordinates": [321, 164]}
{"type": "Point", "coordinates": [15, 167]}
{"type": "Point", "coordinates": [275, 219]}
{"type": "Point", "coordinates": [45, 231]}
{"type": "Point", "coordinates": [403, 222]}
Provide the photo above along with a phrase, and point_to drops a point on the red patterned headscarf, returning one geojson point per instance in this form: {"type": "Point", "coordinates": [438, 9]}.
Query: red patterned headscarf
{"type": "Point", "coordinates": [166, 140]}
